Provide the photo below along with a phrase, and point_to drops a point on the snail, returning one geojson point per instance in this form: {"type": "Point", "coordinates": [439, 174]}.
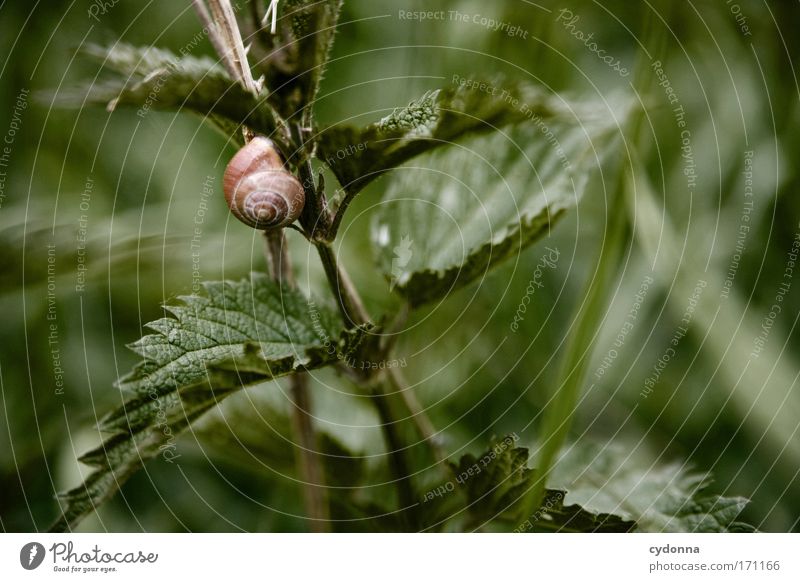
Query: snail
{"type": "Point", "coordinates": [258, 189]}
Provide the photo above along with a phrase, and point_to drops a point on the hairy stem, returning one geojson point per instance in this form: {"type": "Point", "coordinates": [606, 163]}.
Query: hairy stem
{"type": "Point", "coordinates": [384, 395]}
{"type": "Point", "coordinates": [316, 221]}
{"type": "Point", "coordinates": [347, 298]}
{"type": "Point", "coordinates": [309, 462]}
{"type": "Point", "coordinates": [315, 217]}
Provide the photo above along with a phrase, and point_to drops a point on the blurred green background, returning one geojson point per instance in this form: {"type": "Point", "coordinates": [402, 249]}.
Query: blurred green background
{"type": "Point", "coordinates": [714, 408]}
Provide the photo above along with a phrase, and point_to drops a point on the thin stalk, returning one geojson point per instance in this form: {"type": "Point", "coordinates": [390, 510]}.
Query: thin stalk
{"type": "Point", "coordinates": [316, 217]}
{"type": "Point", "coordinates": [228, 28]}
{"type": "Point", "coordinates": [353, 312]}
{"type": "Point", "coordinates": [420, 418]}
{"type": "Point", "coordinates": [309, 462]}
{"type": "Point", "coordinates": [385, 401]}
{"type": "Point", "coordinates": [340, 212]}
{"type": "Point", "coordinates": [422, 421]}
{"type": "Point", "coordinates": [216, 39]}
{"type": "Point", "coordinates": [223, 30]}
{"type": "Point", "coordinates": [384, 396]}
{"type": "Point", "coordinates": [347, 298]}
{"type": "Point", "coordinates": [277, 253]}
{"type": "Point", "coordinates": [559, 414]}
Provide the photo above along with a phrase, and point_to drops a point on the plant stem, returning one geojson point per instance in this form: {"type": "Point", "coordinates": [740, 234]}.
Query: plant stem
{"type": "Point", "coordinates": [384, 400]}
{"type": "Point", "coordinates": [384, 395]}
{"type": "Point", "coordinates": [309, 462]}
{"type": "Point", "coordinates": [224, 33]}
{"type": "Point", "coordinates": [347, 298]}
{"type": "Point", "coordinates": [317, 223]}
{"type": "Point", "coordinates": [315, 217]}
{"type": "Point", "coordinates": [421, 419]}
{"type": "Point", "coordinates": [277, 255]}
{"type": "Point", "coordinates": [558, 415]}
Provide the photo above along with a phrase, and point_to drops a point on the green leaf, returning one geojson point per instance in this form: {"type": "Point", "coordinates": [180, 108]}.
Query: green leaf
{"type": "Point", "coordinates": [496, 482]}
{"type": "Point", "coordinates": [554, 516]}
{"type": "Point", "coordinates": [660, 498]}
{"type": "Point", "coordinates": [489, 488]}
{"type": "Point", "coordinates": [452, 216]}
{"type": "Point", "coordinates": [152, 78]}
{"type": "Point", "coordinates": [116, 460]}
{"type": "Point", "coordinates": [435, 119]}
{"type": "Point", "coordinates": [236, 334]}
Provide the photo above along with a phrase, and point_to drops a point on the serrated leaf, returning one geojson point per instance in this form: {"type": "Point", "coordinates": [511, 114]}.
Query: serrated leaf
{"type": "Point", "coordinates": [554, 516]}
{"type": "Point", "coordinates": [236, 334]}
{"type": "Point", "coordinates": [152, 78]}
{"type": "Point", "coordinates": [117, 460]}
{"type": "Point", "coordinates": [712, 513]}
{"type": "Point", "coordinates": [487, 489]}
{"type": "Point", "coordinates": [435, 119]}
{"type": "Point", "coordinates": [660, 498]}
{"type": "Point", "coordinates": [454, 214]}
{"type": "Point", "coordinates": [496, 481]}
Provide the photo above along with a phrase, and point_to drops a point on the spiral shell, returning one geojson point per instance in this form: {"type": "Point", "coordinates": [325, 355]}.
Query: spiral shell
{"type": "Point", "coordinates": [258, 190]}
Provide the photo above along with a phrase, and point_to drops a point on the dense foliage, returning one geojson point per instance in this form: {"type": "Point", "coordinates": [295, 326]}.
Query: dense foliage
{"type": "Point", "coordinates": [512, 238]}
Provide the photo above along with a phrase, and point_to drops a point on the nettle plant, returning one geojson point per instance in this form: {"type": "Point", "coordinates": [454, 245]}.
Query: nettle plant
{"type": "Point", "coordinates": [504, 159]}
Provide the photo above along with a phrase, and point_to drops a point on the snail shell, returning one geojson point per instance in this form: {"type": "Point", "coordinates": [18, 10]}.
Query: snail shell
{"type": "Point", "coordinates": [258, 189]}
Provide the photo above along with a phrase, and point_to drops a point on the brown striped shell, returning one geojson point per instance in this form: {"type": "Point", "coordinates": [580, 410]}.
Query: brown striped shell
{"type": "Point", "coordinates": [258, 190]}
